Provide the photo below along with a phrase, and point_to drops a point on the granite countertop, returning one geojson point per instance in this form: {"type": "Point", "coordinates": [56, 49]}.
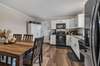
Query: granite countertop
{"type": "Point", "coordinates": [78, 37]}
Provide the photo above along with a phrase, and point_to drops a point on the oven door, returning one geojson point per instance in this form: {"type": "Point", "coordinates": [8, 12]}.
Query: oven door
{"type": "Point", "coordinates": [95, 35]}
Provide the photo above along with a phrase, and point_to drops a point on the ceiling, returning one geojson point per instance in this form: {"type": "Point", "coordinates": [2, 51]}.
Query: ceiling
{"type": "Point", "coordinates": [46, 8]}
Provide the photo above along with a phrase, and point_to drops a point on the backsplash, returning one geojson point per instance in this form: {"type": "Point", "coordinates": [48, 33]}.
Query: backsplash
{"type": "Point", "coordinates": [81, 32]}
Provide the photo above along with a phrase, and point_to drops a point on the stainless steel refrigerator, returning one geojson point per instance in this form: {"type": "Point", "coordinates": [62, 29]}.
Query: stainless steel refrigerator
{"type": "Point", "coordinates": [92, 30]}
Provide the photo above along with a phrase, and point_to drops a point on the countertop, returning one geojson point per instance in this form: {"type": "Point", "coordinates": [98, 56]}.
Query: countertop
{"type": "Point", "coordinates": [77, 36]}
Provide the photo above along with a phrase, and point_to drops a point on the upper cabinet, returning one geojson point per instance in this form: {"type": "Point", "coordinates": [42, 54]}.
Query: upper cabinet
{"type": "Point", "coordinates": [81, 20]}
{"type": "Point", "coordinates": [75, 22]}
{"type": "Point", "coordinates": [53, 24]}
{"type": "Point", "coordinates": [70, 23]}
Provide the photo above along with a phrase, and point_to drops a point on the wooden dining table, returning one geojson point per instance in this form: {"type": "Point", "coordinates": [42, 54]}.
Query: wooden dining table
{"type": "Point", "coordinates": [16, 50]}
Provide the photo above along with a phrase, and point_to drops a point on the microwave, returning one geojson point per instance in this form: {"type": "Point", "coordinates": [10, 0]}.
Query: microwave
{"type": "Point", "coordinates": [61, 26]}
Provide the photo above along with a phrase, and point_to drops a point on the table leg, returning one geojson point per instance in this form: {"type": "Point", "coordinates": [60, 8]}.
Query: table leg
{"type": "Point", "coordinates": [19, 61]}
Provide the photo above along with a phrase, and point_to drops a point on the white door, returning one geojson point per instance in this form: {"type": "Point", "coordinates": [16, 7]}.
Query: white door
{"type": "Point", "coordinates": [36, 30]}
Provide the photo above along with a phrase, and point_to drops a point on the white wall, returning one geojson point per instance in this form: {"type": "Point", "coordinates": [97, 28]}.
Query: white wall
{"type": "Point", "coordinates": [45, 29]}
{"type": "Point", "coordinates": [13, 19]}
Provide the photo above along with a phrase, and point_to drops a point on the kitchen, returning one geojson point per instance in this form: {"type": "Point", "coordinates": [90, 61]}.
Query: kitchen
{"type": "Point", "coordinates": [70, 33]}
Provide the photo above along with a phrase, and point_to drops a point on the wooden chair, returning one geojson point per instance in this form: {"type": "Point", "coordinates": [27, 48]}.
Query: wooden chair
{"type": "Point", "coordinates": [36, 54]}
{"type": "Point", "coordinates": [17, 36]}
{"type": "Point", "coordinates": [27, 38]}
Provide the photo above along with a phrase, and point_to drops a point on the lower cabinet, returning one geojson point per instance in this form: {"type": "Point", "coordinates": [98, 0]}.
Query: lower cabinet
{"type": "Point", "coordinates": [68, 41]}
{"type": "Point", "coordinates": [75, 46]}
{"type": "Point", "coordinates": [53, 39]}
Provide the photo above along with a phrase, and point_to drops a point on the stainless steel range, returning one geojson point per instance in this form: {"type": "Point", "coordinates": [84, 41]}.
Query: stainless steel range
{"type": "Point", "coordinates": [60, 38]}
{"type": "Point", "coordinates": [60, 34]}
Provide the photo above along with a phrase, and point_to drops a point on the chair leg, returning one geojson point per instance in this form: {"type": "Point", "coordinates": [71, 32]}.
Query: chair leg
{"type": "Point", "coordinates": [2, 58]}
{"type": "Point", "coordinates": [6, 59]}
{"type": "Point", "coordinates": [41, 56]}
{"type": "Point", "coordinates": [39, 60]}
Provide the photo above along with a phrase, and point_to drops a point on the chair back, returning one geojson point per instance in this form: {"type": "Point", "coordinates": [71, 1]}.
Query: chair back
{"type": "Point", "coordinates": [27, 38]}
{"type": "Point", "coordinates": [17, 36]}
{"type": "Point", "coordinates": [37, 48]}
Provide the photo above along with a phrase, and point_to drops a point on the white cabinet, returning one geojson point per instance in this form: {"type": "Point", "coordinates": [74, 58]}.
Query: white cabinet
{"type": "Point", "coordinates": [53, 25]}
{"type": "Point", "coordinates": [81, 20]}
{"type": "Point", "coordinates": [67, 24]}
{"type": "Point", "coordinates": [68, 42]}
{"type": "Point", "coordinates": [53, 39]}
{"type": "Point", "coordinates": [70, 23]}
{"type": "Point", "coordinates": [73, 23]}
{"type": "Point", "coordinates": [75, 46]}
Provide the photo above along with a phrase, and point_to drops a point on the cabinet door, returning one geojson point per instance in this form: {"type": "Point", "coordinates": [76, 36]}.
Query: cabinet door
{"type": "Point", "coordinates": [76, 22]}
{"type": "Point", "coordinates": [73, 23]}
{"type": "Point", "coordinates": [67, 24]}
{"type": "Point", "coordinates": [53, 25]}
{"type": "Point", "coordinates": [71, 42]}
{"type": "Point", "coordinates": [76, 47]}
{"type": "Point", "coordinates": [53, 39]}
{"type": "Point", "coordinates": [68, 40]}
{"type": "Point", "coordinates": [81, 20]}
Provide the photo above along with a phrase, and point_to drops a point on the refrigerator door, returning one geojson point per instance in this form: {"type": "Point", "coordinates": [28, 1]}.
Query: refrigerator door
{"type": "Point", "coordinates": [94, 34]}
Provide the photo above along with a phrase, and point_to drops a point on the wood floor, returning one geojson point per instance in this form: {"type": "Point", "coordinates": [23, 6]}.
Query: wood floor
{"type": "Point", "coordinates": [53, 56]}
{"type": "Point", "coordinates": [57, 57]}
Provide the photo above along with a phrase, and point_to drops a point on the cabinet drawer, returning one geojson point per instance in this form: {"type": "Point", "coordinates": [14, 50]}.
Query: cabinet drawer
{"type": "Point", "coordinates": [53, 39]}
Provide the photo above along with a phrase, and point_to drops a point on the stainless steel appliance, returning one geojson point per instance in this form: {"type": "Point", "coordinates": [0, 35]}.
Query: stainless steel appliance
{"type": "Point", "coordinates": [60, 34]}
{"type": "Point", "coordinates": [92, 30]}
{"type": "Point", "coordinates": [60, 38]}
{"type": "Point", "coordinates": [60, 25]}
